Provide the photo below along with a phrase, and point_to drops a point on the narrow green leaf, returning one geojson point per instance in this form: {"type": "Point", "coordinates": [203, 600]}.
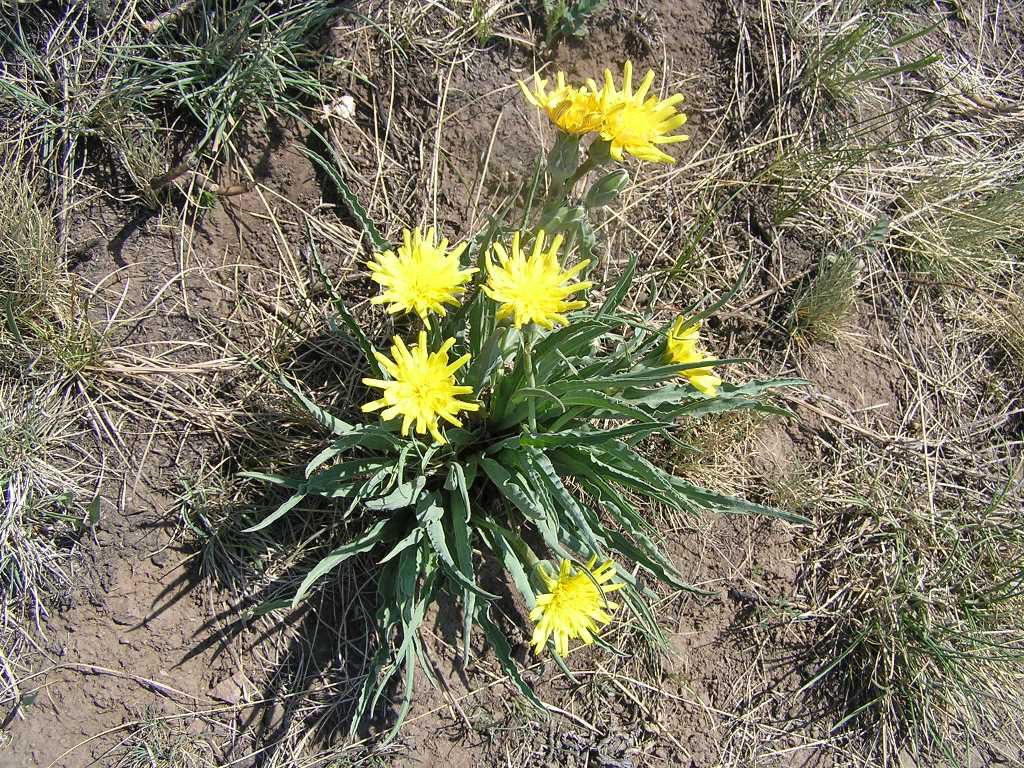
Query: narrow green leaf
{"type": "Point", "coordinates": [622, 286]}
{"type": "Point", "coordinates": [402, 496]}
{"type": "Point", "coordinates": [566, 500]}
{"type": "Point", "coordinates": [285, 480]}
{"type": "Point", "coordinates": [355, 207]}
{"type": "Point", "coordinates": [364, 543]}
{"type": "Point", "coordinates": [322, 417]}
{"type": "Point", "coordinates": [574, 437]}
{"type": "Point", "coordinates": [520, 498]}
{"type": "Point", "coordinates": [431, 516]}
{"type": "Point", "coordinates": [278, 513]}
{"type": "Point", "coordinates": [503, 651]}
{"type": "Point", "coordinates": [460, 514]}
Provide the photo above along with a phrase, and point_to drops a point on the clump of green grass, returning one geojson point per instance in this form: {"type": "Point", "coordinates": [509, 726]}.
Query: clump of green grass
{"type": "Point", "coordinates": [65, 86]}
{"type": "Point", "coordinates": [823, 303]}
{"type": "Point", "coordinates": [223, 63]}
{"type": "Point", "coordinates": [919, 594]}
{"type": "Point", "coordinates": [568, 19]}
{"type": "Point", "coordinates": [43, 315]}
{"type": "Point", "coordinates": [45, 505]}
{"type": "Point", "coordinates": [161, 744]}
{"type": "Point", "coordinates": [854, 50]}
{"type": "Point", "coordinates": [81, 84]}
{"type": "Point", "coordinates": [963, 226]}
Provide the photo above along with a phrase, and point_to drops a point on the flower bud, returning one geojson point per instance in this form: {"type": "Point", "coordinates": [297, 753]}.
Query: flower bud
{"type": "Point", "coordinates": [606, 189]}
{"type": "Point", "coordinates": [564, 157]}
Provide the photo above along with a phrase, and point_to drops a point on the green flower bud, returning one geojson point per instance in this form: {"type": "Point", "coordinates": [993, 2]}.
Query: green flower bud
{"type": "Point", "coordinates": [606, 189]}
{"type": "Point", "coordinates": [564, 157]}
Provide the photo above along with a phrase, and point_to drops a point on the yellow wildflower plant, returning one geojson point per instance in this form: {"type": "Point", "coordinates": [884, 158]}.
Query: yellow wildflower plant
{"type": "Point", "coordinates": [534, 288]}
{"type": "Point", "coordinates": [552, 461]}
{"type": "Point", "coordinates": [574, 605]}
{"type": "Point", "coordinates": [573, 110]}
{"type": "Point", "coordinates": [682, 348]}
{"type": "Point", "coordinates": [422, 389]}
{"type": "Point", "coordinates": [634, 123]}
{"type": "Point", "coordinates": [422, 276]}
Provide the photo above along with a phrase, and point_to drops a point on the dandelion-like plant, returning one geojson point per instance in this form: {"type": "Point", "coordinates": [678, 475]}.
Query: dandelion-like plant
{"type": "Point", "coordinates": [682, 349]}
{"type": "Point", "coordinates": [576, 605]}
{"type": "Point", "coordinates": [634, 122]}
{"type": "Point", "coordinates": [422, 389]}
{"type": "Point", "coordinates": [534, 288]}
{"type": "Point", "coordinates": [422, 276]}
{"type": "Point", "coordinates": [551, 470]}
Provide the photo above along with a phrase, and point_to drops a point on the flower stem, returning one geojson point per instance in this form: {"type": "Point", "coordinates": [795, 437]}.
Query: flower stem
{"type": "Point", "coordinates": [597, 155]}
{"type": "Point", "coordinates": [530, 376]}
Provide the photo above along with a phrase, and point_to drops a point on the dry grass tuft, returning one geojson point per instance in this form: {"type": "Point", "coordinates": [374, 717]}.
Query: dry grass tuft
{"type": "Point", "coordinates": [161, 744]}
{"type": "Point", "coordinates": [916, 587]}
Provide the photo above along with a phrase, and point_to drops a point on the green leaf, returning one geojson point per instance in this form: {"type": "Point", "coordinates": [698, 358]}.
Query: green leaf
{"type": "Point", "coordinates": [413, 537]}
{"type": "Point", "coordinates": [463, 550]}
{"type": "Point", "coordinates": [404, 495]}
{"type": "Point", "coordinates": [721, 502]}
{"type": "Point", "coordinates": [327, 420]}
{"type": "Point", "coordinates": [278, 513]}
{"type": "Point", "coordinates": [357, 333]}
{"type": "Point", "coordinates": [431, 516]}
{"type": "Point", "coordinates": [338, 480]}
{"type": "Point", "coordinates": [502, 650]}
{"type": "Point", "coordinates": [501, 543]}
{"type": "Point", "coordinates": [364, 543]}
{"type": "Point", "coordinates": [501, 478]}
{"type": "Point", "coordinates": [366, 436]}
{"type": "Point", "coordinates": [355, 207]}
{"type": "Point", "coordinates": [566, 500]}
{"type": "Point", "coordinates": [269, 606]}
{"type": "Point", "coordinates": [369, 687]}
{"type": "Point", "coordinates": [285, 480]}
{"type": "Point", "coordinates": [581, 394]}
{"type": "Point", "coordinates": [574, 437]}
{"type": "Point", "coordinates": [621, 287]}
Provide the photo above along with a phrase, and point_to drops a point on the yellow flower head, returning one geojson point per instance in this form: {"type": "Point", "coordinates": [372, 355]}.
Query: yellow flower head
{"type": "Point", "coordinates": [573, 110]}
{"type": "Point", "coordinates": [633, 123]}
{"type": "Point", "coordinates": [682, 349]}
{"type": "Point", "coordinates": [422, 276]}
{"type": "Point", "coordinates": [422, 387]}
{"type": "Point", "coordinates": [573, 605]}
{"type": "Point", "coordinates": [533, 288]}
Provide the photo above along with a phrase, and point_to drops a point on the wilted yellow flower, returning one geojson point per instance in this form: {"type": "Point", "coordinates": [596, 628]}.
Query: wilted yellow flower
{"type": "Point", "coordinates": [633, 123]}
{"type": "Point", "coordinates": [573, 605]}
{"type": "Point", "coordinates": [682, 349]}
{"type": "Point", "coordinates": [533, 288]}
{"type": "Point", "coordinates": [573, 110]}
{"type": "Point", "coordinates": [422, 276]}
{"type": "Point", "coordinates": [422, 388]}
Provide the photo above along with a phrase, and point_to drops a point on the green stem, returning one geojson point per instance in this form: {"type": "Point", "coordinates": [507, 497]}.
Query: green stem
{"type": "Point", "coordinates": [589, 164]}
{"type": "Point", "coordinates": [530, 377]}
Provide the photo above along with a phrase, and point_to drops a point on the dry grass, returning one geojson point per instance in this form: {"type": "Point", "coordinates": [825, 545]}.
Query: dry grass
{"type": "Point", "coordinates": [158, 743]}
{"type": "Point", "coordinates": [860, 178]}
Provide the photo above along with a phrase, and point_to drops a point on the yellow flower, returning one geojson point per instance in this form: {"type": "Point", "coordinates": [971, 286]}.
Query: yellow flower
{"type": "Point", "coordinates": [533, 288]}
{"type": "Point", "coordinates": [574, 605]}
{"type": "Point", "coordinates": [633, 123]}
{"type": "Point", "coordinates": [573, 110]}
{"type": "Point", "coordinates": [682, 349]}
{"type": "Point", "coordinates": [422, 277]}
{"type": "Point", "coordinates": [422, 388]}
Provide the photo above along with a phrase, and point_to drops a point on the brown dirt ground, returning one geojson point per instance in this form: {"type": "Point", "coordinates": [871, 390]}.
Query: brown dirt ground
{"type": "Point", "coordinates": [144, 636]}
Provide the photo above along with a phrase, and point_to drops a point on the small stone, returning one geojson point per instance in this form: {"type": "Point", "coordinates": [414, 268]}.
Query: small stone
{"type": "Point", "coordinates": [125, 619]}
{"type": "Point", "coordinates": [160, 558]}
